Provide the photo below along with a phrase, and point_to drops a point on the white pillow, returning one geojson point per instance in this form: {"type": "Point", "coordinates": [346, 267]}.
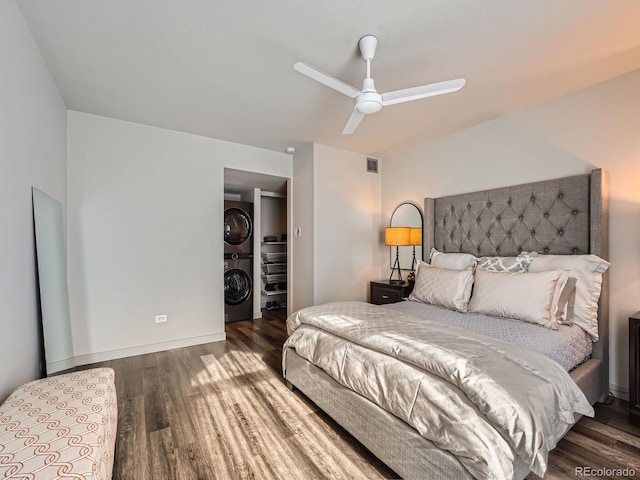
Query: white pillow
{"type": "Point", "coordinates": [442, 286]}
{"type": "Point", "coordinates": [567, 316]}
{"type": "Point", "coordinates": [588, 270]}
{"type": "Point", "coordinates": [524, 296]}
{"type": "Point", "coordinates": [565, 298]}
{"type": "Point", "coordinates": [453, 261]}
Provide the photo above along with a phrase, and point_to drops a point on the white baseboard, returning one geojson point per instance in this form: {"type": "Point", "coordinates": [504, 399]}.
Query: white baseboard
{"type": "Point", "coordinates": [619, 392]}
{"type": "Point", "coordinates": [151, 348]}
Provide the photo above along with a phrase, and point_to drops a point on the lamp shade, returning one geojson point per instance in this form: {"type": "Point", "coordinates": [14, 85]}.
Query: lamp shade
{"type": "Point", "coordinates": [397, 236]}
{"type": "Point", "coordinates": [416, 236]}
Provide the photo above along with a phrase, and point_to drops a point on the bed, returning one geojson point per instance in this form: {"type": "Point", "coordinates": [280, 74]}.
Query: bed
{"type": "Point", "coordinates": [567, 216]}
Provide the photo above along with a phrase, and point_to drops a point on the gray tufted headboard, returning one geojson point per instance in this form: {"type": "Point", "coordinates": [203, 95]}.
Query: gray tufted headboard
{"type": "Point", "coordinates": [562, 216]}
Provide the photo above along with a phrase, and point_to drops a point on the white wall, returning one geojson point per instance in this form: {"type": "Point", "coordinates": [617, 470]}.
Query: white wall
{"type": "Point", "coordinates": [347, 225]}
{"type": "Point", "coordinates": [32, 153]}
{"type": "Point", "coordinates": [592, 128]}
{"type": "Point", "coordinates": [273, 217]}
{"type": "Point", "coordinates": [145, 212]}
{"type": "Point", "coordinates": [302, 248]}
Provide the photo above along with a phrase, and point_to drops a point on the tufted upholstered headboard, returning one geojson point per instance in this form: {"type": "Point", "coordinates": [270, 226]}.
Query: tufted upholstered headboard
{"type": "Point", "coordinates": [563, 216]}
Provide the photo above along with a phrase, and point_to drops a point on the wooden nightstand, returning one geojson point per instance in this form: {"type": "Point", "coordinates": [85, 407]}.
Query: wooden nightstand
{"type": "Point", "coordinates": [383, 292]}
{"type": "Point", "coordinates": [634, 368]}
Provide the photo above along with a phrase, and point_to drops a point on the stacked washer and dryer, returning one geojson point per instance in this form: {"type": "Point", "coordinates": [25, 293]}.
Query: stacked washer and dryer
{"type": "Point", "coordinates": [238, 261]}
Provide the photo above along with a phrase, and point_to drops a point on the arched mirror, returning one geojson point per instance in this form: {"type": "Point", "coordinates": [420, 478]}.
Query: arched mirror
{"type": "Point", "coordinates": [408, 215]}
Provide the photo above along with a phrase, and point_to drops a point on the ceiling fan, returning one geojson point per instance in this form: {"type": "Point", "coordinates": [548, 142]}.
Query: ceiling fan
{"type": "Point", "coordinates": [368, 100]}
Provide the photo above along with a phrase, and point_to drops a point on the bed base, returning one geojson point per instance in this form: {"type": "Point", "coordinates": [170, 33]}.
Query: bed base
{"type": "Point", "coordinates": [588, 377]}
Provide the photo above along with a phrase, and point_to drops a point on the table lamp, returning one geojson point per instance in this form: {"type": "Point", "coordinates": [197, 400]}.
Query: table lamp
{"type": "Point", "coordinates": [416, 240]}
{"type": "Point", "coordinates": [397, 237]}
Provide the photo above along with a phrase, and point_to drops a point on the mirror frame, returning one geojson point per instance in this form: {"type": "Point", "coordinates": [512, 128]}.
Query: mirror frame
{"type": "Point", "coordinates": [406, 252]}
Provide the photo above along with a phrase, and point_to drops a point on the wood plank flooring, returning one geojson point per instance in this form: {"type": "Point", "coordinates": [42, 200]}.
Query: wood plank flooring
{"type": "Point", "coordinates": [222, 411]}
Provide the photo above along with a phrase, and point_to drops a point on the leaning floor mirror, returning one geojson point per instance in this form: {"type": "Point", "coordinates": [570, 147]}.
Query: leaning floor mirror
{"type": "Point", "coordinates": [51, 261]}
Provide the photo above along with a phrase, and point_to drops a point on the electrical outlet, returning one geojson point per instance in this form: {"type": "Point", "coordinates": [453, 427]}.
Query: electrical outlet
{"type": "Point", "coordinates": [161, 318]}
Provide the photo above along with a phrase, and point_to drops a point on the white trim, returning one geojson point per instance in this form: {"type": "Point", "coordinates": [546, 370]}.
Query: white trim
{"type": "Point", "coordinates": [266, 193]}
{"type": "Point", "coordinates": [151, 348]}
{"type": "Point", "coordinates": [257, 235]}
{"type": "Point", "coordinates": [619, 392]}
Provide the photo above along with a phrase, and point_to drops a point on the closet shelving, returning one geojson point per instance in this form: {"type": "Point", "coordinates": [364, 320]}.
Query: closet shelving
{"type": "Point", "coordinates": [274, 274]}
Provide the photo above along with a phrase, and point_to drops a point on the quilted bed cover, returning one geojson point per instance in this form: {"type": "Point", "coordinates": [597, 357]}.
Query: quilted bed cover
{"type": "Point", "coordinates": [485, 401]}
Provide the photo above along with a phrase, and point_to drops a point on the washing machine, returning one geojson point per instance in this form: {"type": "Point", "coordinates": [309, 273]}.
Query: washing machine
{"type": "Point", "coordinates": [238, 227]}
{"type": "Point", "coordinates": [238, 287]}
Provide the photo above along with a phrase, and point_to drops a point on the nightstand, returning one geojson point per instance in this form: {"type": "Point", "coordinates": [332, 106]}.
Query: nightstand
{"type": "Point", "coordinates": [634, 368]}
{"type": "Point", "coordinates": [383, 292]}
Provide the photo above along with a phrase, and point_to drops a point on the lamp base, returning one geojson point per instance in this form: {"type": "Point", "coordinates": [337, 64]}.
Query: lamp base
{"type": "Point", "coordinates": [396, 266]}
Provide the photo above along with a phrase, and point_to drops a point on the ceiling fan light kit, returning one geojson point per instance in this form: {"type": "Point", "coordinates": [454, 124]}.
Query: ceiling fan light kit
{"type": "Point", "coordinates": [368, 100]}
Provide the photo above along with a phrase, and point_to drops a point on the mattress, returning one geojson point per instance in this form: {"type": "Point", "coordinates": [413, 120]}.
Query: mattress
{"type": "Point", "coordinates": [569, 345]}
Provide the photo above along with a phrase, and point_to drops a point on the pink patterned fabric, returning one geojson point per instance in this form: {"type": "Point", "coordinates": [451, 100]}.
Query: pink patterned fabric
{"type": "Point", "coordinates": [60, 427]}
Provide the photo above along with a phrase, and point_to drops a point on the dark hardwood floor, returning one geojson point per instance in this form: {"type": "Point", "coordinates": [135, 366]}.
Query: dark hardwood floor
{"type": "Point", "coordinates": [222, 410]}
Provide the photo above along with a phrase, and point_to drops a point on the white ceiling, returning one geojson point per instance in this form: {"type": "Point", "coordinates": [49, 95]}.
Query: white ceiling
{"type": "Point", "coordinates": [224, 68]}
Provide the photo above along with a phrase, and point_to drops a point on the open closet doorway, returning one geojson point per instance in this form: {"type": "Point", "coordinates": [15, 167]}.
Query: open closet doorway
{"type": "Point", "coordinates": [257, 247]}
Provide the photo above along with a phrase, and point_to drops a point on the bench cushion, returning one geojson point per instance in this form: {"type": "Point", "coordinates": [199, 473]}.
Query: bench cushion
{"type": "Point", "coordinates": [59, 427]}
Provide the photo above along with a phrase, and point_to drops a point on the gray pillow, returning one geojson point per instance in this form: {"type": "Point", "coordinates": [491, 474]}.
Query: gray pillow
{"type": "Point", "coordinates": [443, 286]}
{"type": "Point", "coordinates": [525, 296]}
{"type": "Point", "coordinates": [453, 261]}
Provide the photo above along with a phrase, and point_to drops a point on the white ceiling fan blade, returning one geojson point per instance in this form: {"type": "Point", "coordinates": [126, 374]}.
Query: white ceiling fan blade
{"type": "Point", "coordinates": [353, 122]}
{"type": "Point", "coordinates": [416, 93]}
{"type": "Point", "coordinates": [327, 80]}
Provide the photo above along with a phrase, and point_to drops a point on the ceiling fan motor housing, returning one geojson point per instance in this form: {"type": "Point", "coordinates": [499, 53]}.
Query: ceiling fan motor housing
{"type": "Point", "coordinates": [369, 101]}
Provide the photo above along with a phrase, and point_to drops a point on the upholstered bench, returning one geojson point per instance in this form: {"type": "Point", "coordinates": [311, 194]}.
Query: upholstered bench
{"type": "Point", "coordinates": [60, 427]}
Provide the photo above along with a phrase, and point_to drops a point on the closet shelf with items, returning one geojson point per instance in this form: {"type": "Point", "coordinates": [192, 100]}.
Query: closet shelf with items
{"type": "Point", "coordinates": [274, 276]}
{"type": "Point", "coordinates": [273, 272]}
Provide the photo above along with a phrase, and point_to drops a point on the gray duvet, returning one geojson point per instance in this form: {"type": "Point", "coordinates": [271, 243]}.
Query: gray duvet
{"type": "Point", "coordinates": [484, 400]}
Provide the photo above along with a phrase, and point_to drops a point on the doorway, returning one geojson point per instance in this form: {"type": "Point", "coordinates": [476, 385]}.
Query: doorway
{"type": "Point", "coordinates": [268, 268]}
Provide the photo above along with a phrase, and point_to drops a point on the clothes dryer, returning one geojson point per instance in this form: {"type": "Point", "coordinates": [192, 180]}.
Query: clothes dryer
{"type": "Point", "coordinates": [238, 227]}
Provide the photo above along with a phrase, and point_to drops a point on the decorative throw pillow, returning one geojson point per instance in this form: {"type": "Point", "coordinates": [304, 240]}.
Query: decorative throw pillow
{"type": "Point", "coordinates": [505, 264]}
{"type": "Point", "coordinates": [453, 261]}
{"type": "Point", "coordinates": [523, 296]}
{"type": "Point", "coordinates": [442, 286]}
{"type": "Point", "coordinates": [587, 270]}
